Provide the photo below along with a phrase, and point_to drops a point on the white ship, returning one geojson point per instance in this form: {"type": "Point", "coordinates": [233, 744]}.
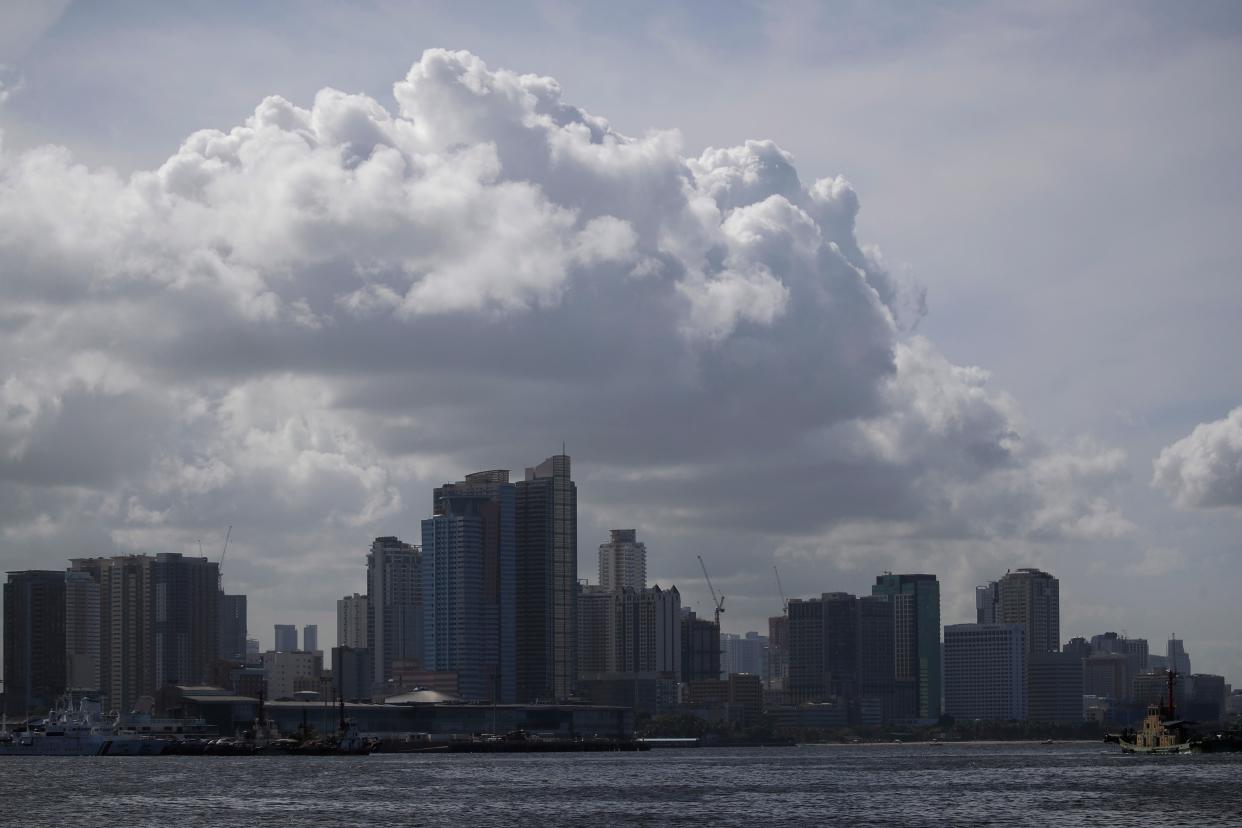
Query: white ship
{"type": "Point", "coordinates": [77, 730]}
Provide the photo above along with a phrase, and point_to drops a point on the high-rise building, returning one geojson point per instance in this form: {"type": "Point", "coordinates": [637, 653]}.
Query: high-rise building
{"type": "Point", "coordinates": [34, 640]}
{"type": "Point", "coordinates": [778, 653]}
{"type": "Point", "coordinates": [497, 518]}
{"type": "Point", "coordinates": [286, 638]}
{"type": "Point", "coordinates": [1031, 597]}
{"type": "Point", "coordinates": [700, 647]}
{"type": "Point", "coordinates": [1079, 647]}
{"type": "Point", "coordinates": [744, 654]}
{"type": "Point", "coordinates": [987, 602]}
{"type": "Point", "coordinates": [841, 644]}
{"type": "Point", "coordinates": [293, 671]}
{"type": "Point", "coordinates": [187, 619]}
{"type": "Point", "coordinates": [623, 561]}
{"type": "Point", "coordinates": [916, 624]}
{"type": "Point", "coordinates": [547, 581]}
{"type": "Point", "coordinates": [1107, 675]}
{"type": "Point", "coordinates": [808, 676]}
{"type": "Point", "coordinates": [1055, 687]}
{"type": "Point", "coordinates": [159, 622]}
{"type": "Point", "coordinates": [351, 622]}
{"type": "Point", "coordinates": [310, 638]}
{"type": "Point", "coordinates": [1178, 658]}
{"type": "Point", "coordinates": [126, 625]}
{"type": "Point", "coordinates": [352, 673]}
{"type": "Point", "coordinates": [253, 653]}
{"type": "Point", "coordinates": [394, 605]}
{"type": "Point", "coordinates": [629, 632]}
{"type": "Point", "coordinates": [233, 628]}
{"type": "Point", "coordinates": [823, 648]}
{"type": "Point", "coordinates": [82, 632]}
{"type": "Point", "coordinates": [877, 661]}
{"type": "Point", "coordinates": [1134, 650]}
{"type": "Point", "coordinates": [595, 630]}
{"type": "Point", "coordinates": [1207, 697]}
{"type": "Point", "coordinates": [985, 671]}
{"type": "Point", "coordinates": [457, 637]}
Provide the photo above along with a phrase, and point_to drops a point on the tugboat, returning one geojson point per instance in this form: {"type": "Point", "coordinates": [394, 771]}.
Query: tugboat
{"type": "Point", "coordinates": [347, 741]}
{"type": "Point", "coordinates": [1161, 731]}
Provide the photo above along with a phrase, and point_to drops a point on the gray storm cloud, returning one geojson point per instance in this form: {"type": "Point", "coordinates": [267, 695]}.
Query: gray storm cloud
{"type": "Point", "coordinates": [1203, 470]}
{"type": "Point", "coordinates": [300, 324]}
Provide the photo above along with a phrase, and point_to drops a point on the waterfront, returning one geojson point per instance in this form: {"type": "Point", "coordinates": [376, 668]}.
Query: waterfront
{"type": "Point", "coordinates": [911, 785]}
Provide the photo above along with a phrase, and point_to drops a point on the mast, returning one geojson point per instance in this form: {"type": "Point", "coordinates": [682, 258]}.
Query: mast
{"type": "Point", "coordinates": [1172, 681]}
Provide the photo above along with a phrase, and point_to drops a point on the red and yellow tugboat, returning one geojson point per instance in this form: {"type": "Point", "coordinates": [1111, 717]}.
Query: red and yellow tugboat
{"type": "Point", "coordinates": [1161, 731]}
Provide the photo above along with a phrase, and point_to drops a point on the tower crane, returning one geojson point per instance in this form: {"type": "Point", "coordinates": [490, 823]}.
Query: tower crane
{"type": "Point", "coordinates": [781, 590]}
{"type": "Point", "coordinates": [220, 566]}
{"type": "Point", "coordinates": [719, 602]}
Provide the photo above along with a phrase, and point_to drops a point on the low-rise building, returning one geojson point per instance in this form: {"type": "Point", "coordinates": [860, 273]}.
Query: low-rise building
{"type": "Point", "coordinates": [292, 672]}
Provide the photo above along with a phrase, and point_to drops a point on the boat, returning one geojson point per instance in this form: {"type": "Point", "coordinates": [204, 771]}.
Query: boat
{"type": "Point", "coordinates": [1229, 741]}
{"type": "Point", "coordinates": [265, 740]}
{"type": "Point", "coordinates": [77, 729]}
{"type": "Point", "coordinates": [1161, 731]}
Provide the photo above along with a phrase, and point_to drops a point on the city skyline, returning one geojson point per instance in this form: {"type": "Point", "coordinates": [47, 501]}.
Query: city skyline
{"type": "Point", "coordinates": [841, 291]}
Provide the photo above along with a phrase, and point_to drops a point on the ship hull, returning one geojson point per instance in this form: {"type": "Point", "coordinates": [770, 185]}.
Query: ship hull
{"type": "Point", "coordinates": [1127, 747]}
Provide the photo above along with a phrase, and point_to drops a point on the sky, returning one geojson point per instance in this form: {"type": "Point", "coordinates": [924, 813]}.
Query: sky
{"type": "Point", "coordinates": [838, 288]}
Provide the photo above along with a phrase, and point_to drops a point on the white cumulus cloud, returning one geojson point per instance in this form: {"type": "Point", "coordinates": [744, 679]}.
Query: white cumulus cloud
{"type": "Point", "coordinates": [299, 324]}
{"type": "Point", "coordinates": [1203, 470]}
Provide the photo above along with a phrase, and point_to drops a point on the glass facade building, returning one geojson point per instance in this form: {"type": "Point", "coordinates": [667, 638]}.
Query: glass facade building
{"type": "Point", "coordinates": [916, 624]}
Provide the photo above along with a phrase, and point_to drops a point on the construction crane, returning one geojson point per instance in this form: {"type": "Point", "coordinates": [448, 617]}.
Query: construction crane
{"type": "Point", "coordinates": [220, 566]}
{"type": "Point", "coordinates": [719, 602]}
{"type": "Point", "coordinates": [781, 590]}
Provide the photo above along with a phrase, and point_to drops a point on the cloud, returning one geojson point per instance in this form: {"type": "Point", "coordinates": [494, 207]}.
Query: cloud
{"type": "Point", "coordinates": [1203, 470]}
{"type": "Point", "coordinates": [10, 82]}
{"type": "Point", "coordinates": [1158, 562]}
{"type": "Point", "coordinates": [298, 325]}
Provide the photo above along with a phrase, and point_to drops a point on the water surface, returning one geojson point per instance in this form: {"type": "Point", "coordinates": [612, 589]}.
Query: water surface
{"type": "Point", "coordinates": [1069, 784]}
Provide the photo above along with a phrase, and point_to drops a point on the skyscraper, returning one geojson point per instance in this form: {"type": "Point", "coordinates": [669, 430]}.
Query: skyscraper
{"type": "Point", "coordinates": [1178, 658]}
{"type": "Point", "coordinates": [916, 624]}
{"type": "Point", "coordinates": [1055, 687]}
{"type": "Point", "coordinates": [595, 630]}
{"type": "Point", "coordinates": [34, 640]}
{"type": "Point", "coordinates": [700, 648]}
{"type": "Point", "coordinates": [159, 622]}
{"type": "Point", "coordinates": [82, 632]}
{"type": "Point", "coordinates": [778, 652]}
{"type": "Point", "coordinates": [233, 628]}
{"type": "Point", "coordinates": [877, 665]}
{"type": "Point", "coordinates": [987, 602]}
{"type": "Point", "coordinates": [628, 631]}
{"type": "Point", "coordinates": [126, 625]}
{"type": "Point", "coordinates": [457, 637]}
{"type": "Point", "coordinates": [547, 581]}
{"type": "Point", "coordinates": [351, 622]}
{"type": "Point", "coordinates": [623, 561]}
{"type": "Point", "coordinates": [744, 654]}
{"type": "Point", "coordinates": [310, 638]}
{"type": "Point", "coordinates": [808, 676]}
{"type": "Point", "coordinates": [394, 605]}
{"type": "Point", "coordinates": [497, 517]}
{"type": "Point", "coordinates": [187, 618]}
{"type": "Point", "coordinates": [1032, 598]}
{"type": "Point", "coordinates": [985, 671]}
{"type": "Point", "coordinates": [286, 638]}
